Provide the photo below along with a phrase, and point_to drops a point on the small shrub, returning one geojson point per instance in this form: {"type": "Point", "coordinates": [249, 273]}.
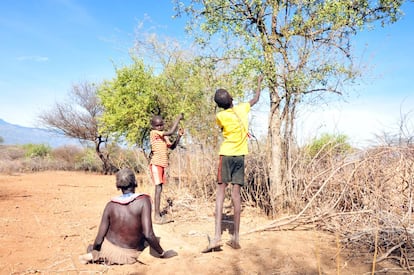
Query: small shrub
{"type": "Point", "coordinates": [328, 144]}
{"type": "Point", "coordinates": [65, 157]}
{"type": "Point", "coordinates": [67, 153]}
{"type": "Point", "coordinates": [124, 158]}
{"type": "Point", "coordinates": [11, 166]}
{"type": "Point", "coordinates": [11, 152]}
{"type": "Point", "coordinates": [37, 150]}
{"type": "Point", "coordinates": [88, 161]}
{"type": "Point", "coordinates": [37, 164]}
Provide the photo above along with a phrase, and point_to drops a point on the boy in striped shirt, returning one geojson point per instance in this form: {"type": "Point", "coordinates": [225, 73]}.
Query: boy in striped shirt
{"type": "Point", "coordinates": [160, 143]}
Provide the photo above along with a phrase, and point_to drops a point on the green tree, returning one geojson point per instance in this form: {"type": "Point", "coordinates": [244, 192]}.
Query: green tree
{"type": "Point", "coordinates": [302, 47]}
{"type": "Point", "coordinates": [129, 101]}
{"type": "Point", "coordinates": [1, 139]}
{"type": "Point", "coordinates": [181, 83]}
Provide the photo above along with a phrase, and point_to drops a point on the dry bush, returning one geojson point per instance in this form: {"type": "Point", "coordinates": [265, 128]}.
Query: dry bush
{"type": "Point", "coordinates": [194, 168]}
{"type": "Point", "coordinates": [134, 159]}
{"type": "Point", "coordinates": [10, 166]}
{"type": "Point", "coordinates": [37, 164]}
{"type": "Point", "coordinates": [256, 189]}
{"type": "Point", "coordinates": [64, 157]}
{"type": "Point", "coordinates": [15, 159]}
{"type": "Point", "coordinates": [366, 198]}
{"type": "Point", "coordinates": [10, 159]}
{"type": "Point", "coordinates": [67, 153]}
{"type": "Point", "coordinates": [88, 161]}
{"type": "Point", "coordinates": [11, 152]}
{"type": "Point", "coordinates": [380, 192]}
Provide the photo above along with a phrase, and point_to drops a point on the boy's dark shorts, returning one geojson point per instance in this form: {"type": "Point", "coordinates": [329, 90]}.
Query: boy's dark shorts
{"type": "Point", "coordinates": [231, 170]}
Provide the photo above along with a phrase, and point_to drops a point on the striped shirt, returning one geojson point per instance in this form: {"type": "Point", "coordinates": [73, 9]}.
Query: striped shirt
{"type": "Point", "coordinates": [159, 148]}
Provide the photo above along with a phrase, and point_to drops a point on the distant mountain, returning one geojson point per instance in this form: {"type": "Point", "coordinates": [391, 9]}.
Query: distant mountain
{"type": "Point", "coordinates": [14, 134]}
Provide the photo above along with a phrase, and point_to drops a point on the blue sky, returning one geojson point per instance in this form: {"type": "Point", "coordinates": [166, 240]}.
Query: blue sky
{"type": "Point", "coordinates": [49, 45]}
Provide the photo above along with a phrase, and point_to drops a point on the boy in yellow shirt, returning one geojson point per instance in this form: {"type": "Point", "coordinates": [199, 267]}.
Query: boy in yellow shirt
{"type": "Point", "coordinates": [233, 121]}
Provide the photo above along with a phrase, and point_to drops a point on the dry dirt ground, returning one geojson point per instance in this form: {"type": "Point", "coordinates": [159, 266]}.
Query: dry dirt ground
{"type": "Point", "coordinates": [48, 218]}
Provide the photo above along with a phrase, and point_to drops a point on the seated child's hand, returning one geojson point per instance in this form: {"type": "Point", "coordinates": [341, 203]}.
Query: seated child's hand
{"type": "Point", "coordinates": [169, 254]}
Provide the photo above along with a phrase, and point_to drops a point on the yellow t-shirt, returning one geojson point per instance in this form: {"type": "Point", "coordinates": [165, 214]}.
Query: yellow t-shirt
{"type": "Point", "coordinates": [159, 148]}
{"type": "Point", "coordinates": [234, 123]}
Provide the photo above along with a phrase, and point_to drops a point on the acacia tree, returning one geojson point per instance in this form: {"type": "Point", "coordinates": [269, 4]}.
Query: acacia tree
{"type": "Point", "coordinates": [303, 48]}
{"type": "Point", "coordinates": [77, 118]}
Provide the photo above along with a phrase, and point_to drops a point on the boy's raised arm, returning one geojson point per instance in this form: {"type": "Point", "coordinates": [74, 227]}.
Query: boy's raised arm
{"type": "Point", "coordinates": [256, 97]}
{"type": "Point", "coordinates": [177, 140]}
{"type": "Point", "coordinates": [175, 126]}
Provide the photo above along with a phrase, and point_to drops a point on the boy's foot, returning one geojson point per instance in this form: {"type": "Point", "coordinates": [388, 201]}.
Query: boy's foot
{"type": "Point", "coordinates": [233, 244]}
{"type": "Point", "coordinates": [212, 248]}
{"type": "Point", "coordinates": [214, 245]}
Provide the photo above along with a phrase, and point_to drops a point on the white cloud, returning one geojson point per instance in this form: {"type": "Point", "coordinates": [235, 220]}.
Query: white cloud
{"type": "Point", "coordinates": [35, 58]}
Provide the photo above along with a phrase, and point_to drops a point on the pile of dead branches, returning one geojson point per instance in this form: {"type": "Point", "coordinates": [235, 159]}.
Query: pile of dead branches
{"type": "Point", "coordinates": [365, 198]}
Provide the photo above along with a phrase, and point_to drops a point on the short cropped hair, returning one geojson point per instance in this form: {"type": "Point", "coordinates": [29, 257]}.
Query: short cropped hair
{"type": "Point", "coordinates": [223, 98]}
{"type": "Point", "coordinates": [125, 178]}
{"type": "Point", "coordinates": [155, 120]}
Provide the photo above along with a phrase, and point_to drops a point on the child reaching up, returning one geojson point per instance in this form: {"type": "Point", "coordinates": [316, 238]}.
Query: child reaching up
{"type": "Point", "coordinates": [233, 120]}
{"type": "Point", "coordinates": [160, 143]}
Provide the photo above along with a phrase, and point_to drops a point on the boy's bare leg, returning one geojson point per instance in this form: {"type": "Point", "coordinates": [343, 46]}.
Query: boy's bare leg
{"type": "Point", "coordinates": [221, 188]}
{"type": "Point", "coordinates": [159, 218]}
{"type": "Point", "coordinates": [235, 195]}
{"type": "Point", "coordinates": [215, 244]}
{"type": "Point", "coordinates": [157, 199]}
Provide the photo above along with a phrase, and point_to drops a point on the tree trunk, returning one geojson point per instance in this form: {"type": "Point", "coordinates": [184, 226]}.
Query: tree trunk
{"type": "Point", "coordinates": [274, 155]}
{"type": "Point", "coordinates": [107, 166]}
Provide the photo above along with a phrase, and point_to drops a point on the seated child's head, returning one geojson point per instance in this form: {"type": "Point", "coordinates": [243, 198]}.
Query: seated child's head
{"type": "Point", "coordinates": [125, 179]}
{"type": "Point", "coordinates": [223, 99]}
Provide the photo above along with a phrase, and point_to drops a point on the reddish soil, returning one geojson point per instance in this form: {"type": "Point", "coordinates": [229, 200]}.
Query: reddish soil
{"type": "Point", "coordinates": [47, 219]}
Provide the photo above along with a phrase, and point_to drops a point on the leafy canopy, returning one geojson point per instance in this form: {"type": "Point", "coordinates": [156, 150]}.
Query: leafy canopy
{"type": "Point", "coordinates": [129, 101]}
{"type": "Point", "coordinates": [137, 93]}
{"type": "Point", "coordinates": [301, 46]}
